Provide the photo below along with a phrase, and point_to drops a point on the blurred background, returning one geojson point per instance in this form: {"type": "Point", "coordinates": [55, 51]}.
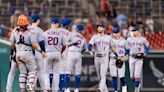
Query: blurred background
{"type": "Point", "coordinates": [148, 15]}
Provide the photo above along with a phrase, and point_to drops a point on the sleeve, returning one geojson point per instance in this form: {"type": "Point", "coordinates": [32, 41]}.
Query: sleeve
{"type": "Point", "coordinates": [40, 34]}
{"type": "Point", "coordinates": [84, 45]}
{"type": "Point", "coordinates": [127, 44]}
{"type": "Point", "coordinates": [92, 40]}
{"type": "Point", "coordinates": [112, 43]}
{"type": "Point", "coordinates": [33, 38]}
{"type": "Point", "coordinates": [146, 43]}
{"type": "Point", "coordinates": [12, 37]}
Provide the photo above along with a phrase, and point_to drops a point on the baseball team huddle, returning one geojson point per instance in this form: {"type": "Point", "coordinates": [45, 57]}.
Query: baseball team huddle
{"type": "Point", "coordinates": [58, 51]}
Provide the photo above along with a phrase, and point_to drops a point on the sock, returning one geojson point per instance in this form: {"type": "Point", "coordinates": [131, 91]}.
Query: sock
{"type": "Point", "coordinates": [114, 82]}
{"type": "Point", "coordinates": [123, 81]}
{"type": "Point", "coordinates": [61, 82]}
{"type": "Point", "coordinates": [67, 81]}
{"type": "Point", "coordinates": [137, 83]}
{"type": "Point", "coordinates": [51, 78]}
{"type": "Point", "coordinates": [77, 81]}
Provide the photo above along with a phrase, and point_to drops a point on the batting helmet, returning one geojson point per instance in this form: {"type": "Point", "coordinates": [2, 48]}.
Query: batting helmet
{"type": "Point", "coordinates": [22, 20]}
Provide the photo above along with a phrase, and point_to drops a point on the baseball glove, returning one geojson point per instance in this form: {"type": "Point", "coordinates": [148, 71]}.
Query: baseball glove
{"type": "Point", "coordinates": [139, 55]}
{"type": "Point", "coordinates": [119, 63]}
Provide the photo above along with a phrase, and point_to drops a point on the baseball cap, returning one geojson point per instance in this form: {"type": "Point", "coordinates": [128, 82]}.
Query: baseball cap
{"type": "Point", "coordinates": [54, 20]}
{"type": "Point", "coordinates": [115, 30]}
{"type": "Point", "coordinates": [80, 27]}
{"type": "Point", "coordinates": [135, 29]}
{"type": "Point", "coordinates": [66, 21]}
{"type": "Point", "coordinates": [101, 25]}
{"type": "Point", "coordinates": [35, 18]}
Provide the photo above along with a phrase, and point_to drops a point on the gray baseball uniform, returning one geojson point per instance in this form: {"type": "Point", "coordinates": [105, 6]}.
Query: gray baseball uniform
{"type": "Point", "coordinates": [12, 72]}
{"type": "Point", "coordinates": [120, 46]}
{"type": "Point", "coordinates": [67, 35]}
{"type": "Point", "coordinates": [24, 56]}
{"type": "Point", "coordinates": [73, 51]}
{"type": "Point", "coordinates": [39, 59]}
{"type": "Point", "coordinates": [54, 41]}
{"type": "Point", "coordinates": [136, 45]}
{"type": "Point", "coordinates": [102, 48]}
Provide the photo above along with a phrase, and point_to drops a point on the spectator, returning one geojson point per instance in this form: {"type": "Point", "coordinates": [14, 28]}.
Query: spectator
{"type": "Point", "coordinates": [122, 20]}
{"type": "Point", "coordinates": [13, 18]}
{"type": "Point", "coordinates": [149, 24]}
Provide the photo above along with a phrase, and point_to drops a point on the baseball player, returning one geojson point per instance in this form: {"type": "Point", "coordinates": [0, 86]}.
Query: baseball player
{"type": "Point", "coordinates": [102, 44]}
{"type": "Point", "coordinates": [139, 48]}
{"type": "Point", "coordinates": [24, 40]}
{"type": "Point", "coordinates": [75, 62]}
{"type": "Point", "coordinates": [13, 68]}
{"type": "Point", "coordinates": [35, 19]}
{"type": "Point", "coordinates": [67, 35]}
{"type": "Point", "coordinates": [54, 42]}
{"type": "Point", "coordinates": [116, 70]}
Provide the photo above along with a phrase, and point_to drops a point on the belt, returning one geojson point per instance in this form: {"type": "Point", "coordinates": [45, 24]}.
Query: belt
{"type": "Point", "coordinates": [27, 50]}
{"type": "Point", "coordinates": [100, 55]}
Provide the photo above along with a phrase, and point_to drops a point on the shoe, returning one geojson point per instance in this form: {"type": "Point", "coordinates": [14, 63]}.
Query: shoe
{"type": "Point", "coordinates": [124, 89]}
{"type": "Point", "coordinates": [28, 87]}
{"type": "Point", "coordinates": [67, 90]}
{"type": "Point", "coordinates": [98, 90]}
{"type": "Point", "coordinates": [76, 90]}
{"type": "Point", "coordinates": [115, 91]}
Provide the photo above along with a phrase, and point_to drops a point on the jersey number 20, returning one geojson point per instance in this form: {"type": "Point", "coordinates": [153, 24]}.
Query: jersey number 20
{"type": "Point", "coordinates": [52, 40]}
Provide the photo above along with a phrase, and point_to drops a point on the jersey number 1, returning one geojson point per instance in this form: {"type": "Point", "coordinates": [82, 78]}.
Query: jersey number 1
{"type": "Point", "coordinates": [21, 39]}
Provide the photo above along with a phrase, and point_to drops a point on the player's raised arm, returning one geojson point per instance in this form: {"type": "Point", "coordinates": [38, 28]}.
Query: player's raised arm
{"type": "Point", "coordinates": [90, 45]}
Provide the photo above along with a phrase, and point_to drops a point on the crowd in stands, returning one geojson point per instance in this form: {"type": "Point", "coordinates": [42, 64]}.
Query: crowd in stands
{"type": "Point", "coordinates": [125, 23]}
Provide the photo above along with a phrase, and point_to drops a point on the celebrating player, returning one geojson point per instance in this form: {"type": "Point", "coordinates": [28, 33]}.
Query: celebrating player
{"type": "Point", "coordinates": [101, 42]}
{"type": "Point", "coordinates": [139, 48]}
{"type": "Point", "coordinates": [54, 42]}
{"type": "Point", "coordinates": [73, 61]}
{"type": "Point", "coordinates": [24, 40]}
{"type": "Point", "coordinates": [39, 59]}
{"type": "Point", "coordinates": [13, 68]}
{"type": "Point", "coordinates": [67, 35]}
{"type": "Point", "coordinates": [117, 64]}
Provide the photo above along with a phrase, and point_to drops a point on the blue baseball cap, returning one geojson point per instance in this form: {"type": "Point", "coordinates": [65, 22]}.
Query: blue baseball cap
{"type": "Point", "coordinates": [135, 29]}
{"type": "Point", "coordinates": [80, 27]}
{"type": "Point", "coordinates": [34, 18]}
{"type": "Point", "coordinates": [115, 30]}
{"type": "Point", "coordinates": [54, 20]}
{"type": "Point", "coordinates": [66, 21]}
{"type": "Point", "coordinates": [101, 25]}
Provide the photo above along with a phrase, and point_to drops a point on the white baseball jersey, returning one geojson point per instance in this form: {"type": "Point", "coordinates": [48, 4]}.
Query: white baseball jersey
{"type": "Point", "coordinates": [120, 46]}
{"type": "Point", "coordinates": [27, 37]}
{"type": "Point", "coordinates": [137, 44]}
{"type": "Point", "coordinates": [77, 37]}
{"type": "Point", "coordinates": [102, 43]}
{"type": "Point", "coordinates": [54, 40]}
